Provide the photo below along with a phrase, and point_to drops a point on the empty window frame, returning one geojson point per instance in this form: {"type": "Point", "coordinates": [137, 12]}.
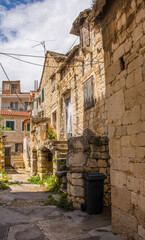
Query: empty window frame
{"type": "Point", "coordinates": [18, 147]}
{"type": "Point", "coordinates": [13, 88]}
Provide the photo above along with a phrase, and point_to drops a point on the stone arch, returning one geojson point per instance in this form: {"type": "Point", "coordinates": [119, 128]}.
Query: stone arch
{"type": "Point", "coordinates": [45, 163]}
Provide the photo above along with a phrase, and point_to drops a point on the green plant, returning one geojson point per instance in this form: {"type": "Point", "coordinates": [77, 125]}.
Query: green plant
{"type": "Point", "coordinates": [2, 128]}
{"type": "Point", "coordinates": [51, 134]}
{"type": "Point", "coordinates": [36, 180]}
{"type": "Point", "coordinates": [52, 184]}
{"type": "Point", "coordinates": [54, 159]}
{"type": "Point", "coordinates": [4, 174]}
{"type": "Point", "coordinates": [62, 203]}
{"type": "Point", "coordinates": [3, 186]}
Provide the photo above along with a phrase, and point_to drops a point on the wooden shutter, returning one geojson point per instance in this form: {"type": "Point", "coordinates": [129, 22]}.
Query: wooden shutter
{"type": "Point", "coordinates": [42, 94]}
{"type": "Point", "coordinates": [88, 93]}
{"type": "Point", "coordinates": [28, 127]}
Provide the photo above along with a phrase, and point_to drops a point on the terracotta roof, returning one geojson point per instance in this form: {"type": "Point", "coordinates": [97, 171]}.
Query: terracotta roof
{"type": "Point", "coordinates": [14, 113]}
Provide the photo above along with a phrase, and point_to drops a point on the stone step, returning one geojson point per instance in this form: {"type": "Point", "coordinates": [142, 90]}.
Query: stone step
{"type": "Point", "coordinates": [60, 155]}
{"type": "Point", "coordinates": [65, 150]}
{"type": "Point", "coordinates": [61, 159]}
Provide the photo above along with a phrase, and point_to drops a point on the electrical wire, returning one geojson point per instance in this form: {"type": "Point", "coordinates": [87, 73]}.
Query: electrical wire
{"type": "Point", "coordinates": [11, 83]}
{"type": "Point", "coordinates": [9, 55]}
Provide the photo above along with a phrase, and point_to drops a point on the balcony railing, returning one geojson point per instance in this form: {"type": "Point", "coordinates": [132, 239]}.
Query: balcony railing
{"type": "Point", "coordinates": [13, 109]}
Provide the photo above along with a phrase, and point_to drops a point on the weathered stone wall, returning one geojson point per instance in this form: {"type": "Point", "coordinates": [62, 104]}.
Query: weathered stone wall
{"type": "Point", "coordinates": [87, 153]}
{"type": "Point", "coordinates": [95, 118]}
{"type": "Point", "coordinates": [123, 30]}
{"type": "Point", "coordinates": [2, 153]}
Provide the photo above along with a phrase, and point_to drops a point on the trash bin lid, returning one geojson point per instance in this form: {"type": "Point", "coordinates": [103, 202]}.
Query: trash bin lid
{"type": "Point", "coordinates": [92, 176]}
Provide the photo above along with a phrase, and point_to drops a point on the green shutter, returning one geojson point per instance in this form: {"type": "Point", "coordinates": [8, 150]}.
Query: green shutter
{"type": "Point", "coordinates": [28, 127]}
{"type": "Point", "coordinates": [22, 126]}
{"type": "Point", "coordinates": [42, 94]}
{"type": "Point", "coordinates": [11, 125]}
{"type": "Point", "coordinates": [32, 105]}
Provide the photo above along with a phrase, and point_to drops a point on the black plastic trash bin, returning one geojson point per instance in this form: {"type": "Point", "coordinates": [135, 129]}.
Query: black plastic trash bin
{"type": "Point", "coordinates": [94, 192]}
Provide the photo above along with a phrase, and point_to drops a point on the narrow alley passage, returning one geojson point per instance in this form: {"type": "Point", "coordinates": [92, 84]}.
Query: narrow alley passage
{"type": "Point", "coordinates": [24, 216]}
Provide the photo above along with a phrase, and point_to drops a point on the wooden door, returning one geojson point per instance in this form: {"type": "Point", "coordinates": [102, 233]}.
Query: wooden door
{"type": "Point", "coordinates": [7, 156]}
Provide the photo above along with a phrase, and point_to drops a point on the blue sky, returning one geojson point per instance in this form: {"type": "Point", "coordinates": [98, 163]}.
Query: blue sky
{"type": "Point", "coordinates": [24, 24]}
{"type": "Point", "coordinates": [9, 4]}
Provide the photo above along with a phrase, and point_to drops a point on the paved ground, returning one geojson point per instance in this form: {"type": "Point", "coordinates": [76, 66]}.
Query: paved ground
{"type": "Point", "coordinates": [23, 216]}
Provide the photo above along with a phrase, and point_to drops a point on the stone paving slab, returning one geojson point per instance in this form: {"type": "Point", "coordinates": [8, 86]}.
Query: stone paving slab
{"type": "Point", "coordinates": [61, 228]}
{"type": "Point", "coordinates": [23, 216]}
{"type": "Point", "coordinates": [25, 232]}
{"type": "Point", "coordinates": [3, 232]}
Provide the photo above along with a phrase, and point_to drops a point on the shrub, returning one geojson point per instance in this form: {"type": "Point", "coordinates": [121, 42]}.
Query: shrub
{"type": "Point", "coordinates": [62, 203]}
{"type": "Point", "coordinates": [51, 134]}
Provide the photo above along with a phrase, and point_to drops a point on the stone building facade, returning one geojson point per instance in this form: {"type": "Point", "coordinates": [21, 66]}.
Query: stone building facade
{"type": "Point", "coordinates": [73, 91]}
{"type": "Point", "coordinates": [123, 34]}
{"type": "Point", "coordinates": [13, 110]}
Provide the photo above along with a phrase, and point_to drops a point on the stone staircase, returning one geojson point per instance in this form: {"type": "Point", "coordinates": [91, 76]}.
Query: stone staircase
{"type": "Point", "coordinates": [17, 161]}
{"type": "Point", "coordinates": [60, 150]}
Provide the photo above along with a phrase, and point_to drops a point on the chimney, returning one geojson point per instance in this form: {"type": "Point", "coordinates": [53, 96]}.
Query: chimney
{"type": "Point", "coordinates": [35, 85]}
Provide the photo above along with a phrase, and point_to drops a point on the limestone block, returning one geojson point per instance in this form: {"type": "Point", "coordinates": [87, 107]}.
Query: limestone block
{"type": "Point", "coordinates": [140, 139]}
{"type": "Point", "coordinates": [141, 232]}
{"type": "Point", "coordinates": [112, 71]}
{"type": "Point", "coordinates": [138, 169]}
{"type": "Point", "coordinates": [119, 52]}
{"type": "Point", "coordinates": [140, 216]}
{"type": "Point", "coordinates": [78, 143]}
{"type": "Point", "coordinates": [121, 21]}
{"type": "Point", "coordinates": [138, 76]}
{"type": "Point", "coordinates": [77, 191]}
{"type": "Point", "coordinates": [121, 198]}
{"type": "Point", "coordinates": [123, 164]}
{"type": "Point", "coordinates": [124, 224]}
{"type": "Point", "coordinates": [92, 163]}
{"type": "Point", "coordinates": [115, 148]}
{"type": "Point", "coordinates": [78, 159]}
{"type": "Point", "coordinates": [128, 44]}
{"type": "Point", "coordinates": [125, 141]}
{"type": "Point", "coordinates": [132, 116]}
{"type": "Point", "coordinates": [118, 178]}
{"type": "Point", "coordinates": [121, 131]}
{"type": "Point", "coordinates": [140, 153]}
{"type": "Point", "coordinates": [134, 128]}
{"type": "Point", "coordinates": [141, 202]}
{"type": "Point", "coordinates": [102, 163]}
{"type": "Point", "coordinates": [78, 182]}
{"type": "Point", "coordinates": [137, 62]}
{"type": "Point", "coordinates": [137, 33]}
{"type": "Point", "coordinates": [130, 80]}
{"type": "Point", "coordinates": [128, 152]}
{"type": "Point", "coordinates": [103, 170]}
{"type": "Point", "coordinates": [116, 106]}
{"type": "Point", "coordinates": [99, 155]}
{"type": "Point", "coordinates": [134, 198]}
{"type": "Point", "coordinates": [143, 112]}
{"type": "Point", "coordinates": [77, 175]}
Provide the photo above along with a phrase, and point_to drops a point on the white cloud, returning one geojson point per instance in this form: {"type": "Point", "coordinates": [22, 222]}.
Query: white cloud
{"type": "Point", "coordinates": [47, 20]}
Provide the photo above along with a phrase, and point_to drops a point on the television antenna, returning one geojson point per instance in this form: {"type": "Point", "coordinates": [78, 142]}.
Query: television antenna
{"type": "Point", "coordinates": [42, 43]}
